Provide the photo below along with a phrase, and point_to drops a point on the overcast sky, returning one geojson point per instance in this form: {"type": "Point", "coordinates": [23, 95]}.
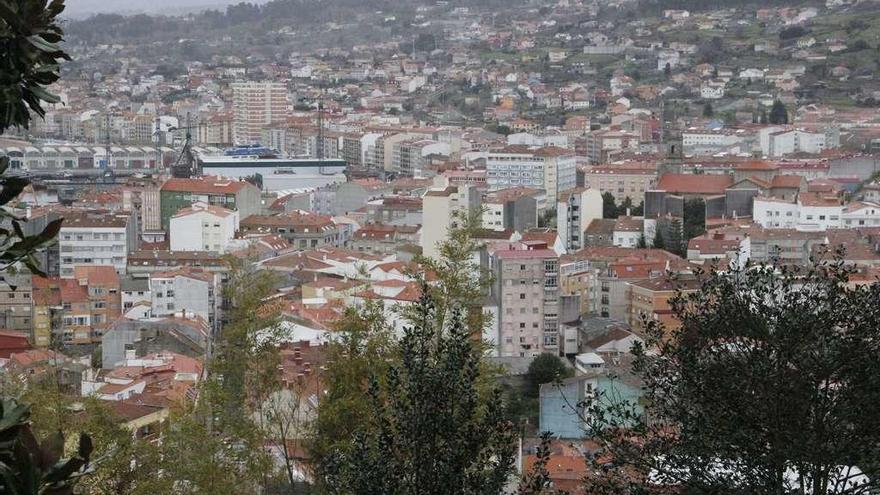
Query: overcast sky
{"type": "Point", "coordinates": [80, 8]}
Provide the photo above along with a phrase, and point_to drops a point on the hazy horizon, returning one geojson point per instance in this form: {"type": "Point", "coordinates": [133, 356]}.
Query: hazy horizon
{"type": "Point", "coordinates": [83, 8]}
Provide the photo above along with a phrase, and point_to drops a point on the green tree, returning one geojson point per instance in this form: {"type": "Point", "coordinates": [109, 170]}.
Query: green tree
{"type": "Point", "coordinates": [708, 111]}
{"type": "Point", "coordinates": [545, 368]}
{"type": "Point", "coordinates": [199, 459]}
{"type": "Point", "coordinates": [658, 238]}
{"type": "Point", "coordinates": [778, 113]}
{"type": "Point", "coordinates": [770, 385]}
{"type": "Point", "coordinates": [639, 210]}
{"type": "Point", "coordinates": [430, 430]}
{"type": "Point", "coordinates": [673, 242]}
{"type": "Point", "coordinates": [609, 206]}
{"type": "Point", "coordinates": [694, 219]}
{"type": "Point", "coordinates": [364, 347]}
{"type": "Point", "coordinates": [626, 207]}
{"type": "Point", "coordinates": [764, 119]}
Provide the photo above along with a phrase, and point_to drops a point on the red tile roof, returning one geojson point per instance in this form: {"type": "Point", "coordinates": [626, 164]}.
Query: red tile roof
{"type": "Point", "coordinates": [787, 181]}
{"type": "Point", "coordinates": [206, 185]}
{"type": "Point", "coordinates": [97, 275]}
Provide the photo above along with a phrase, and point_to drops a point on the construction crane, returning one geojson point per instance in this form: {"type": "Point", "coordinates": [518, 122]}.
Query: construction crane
{"type": "Point", "coordinates": [186, 165]}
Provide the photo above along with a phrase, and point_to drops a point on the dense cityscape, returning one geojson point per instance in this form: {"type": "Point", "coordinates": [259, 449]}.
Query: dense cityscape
{"type": "Point", "coordinates": [412, 247]}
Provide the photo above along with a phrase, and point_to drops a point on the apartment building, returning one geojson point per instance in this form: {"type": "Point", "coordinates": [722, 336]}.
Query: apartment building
{"type": "Point", "coordinates": [526, 291]}
{"type": "Point", "coordinates": [515, 208]}
{"type": "Point", "coordinates": [96, 237]}
{"type": "Point", "coordinates": [187, 291]}
{"type": "Point", "coordinates": [442, 210]}
{"type": "Point", "coordinates": [603, 144]}
{"type": "Point", "coordinates": [177, 194]}
{"type": "Point", "coordinates": [799, 141]}
{"type": "Point", "coordinates": [575, 210]}
{"type": "Point", "coordinates": [104, 296]}
{"type": "Point", "coordinates": [254, 105]}
{"type": "Point", "coordinates": [703, 142]}
{"type": "Point", "coordinates": [550, 168]}
{"type": "Point", "coordinates": [411, 157]}
{"type": "Point", "coordinates": [216, 130]}
{"type": "Point", "coordinates": [17, 303]}
{"type": "Point", "coordinates": [650, 301]}
{"type": "Point", "coordinates": [203, 227]}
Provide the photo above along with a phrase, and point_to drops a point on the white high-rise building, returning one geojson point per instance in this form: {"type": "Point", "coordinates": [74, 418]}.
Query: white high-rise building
{"type": "Point", "coordinates": [441, 212]}
{"type": "Point", "coordinates": [575, 209]}
{"type": "Point", "coordinates": [254, 105]}
{"type": "Point", "coordinates": [550, 168]}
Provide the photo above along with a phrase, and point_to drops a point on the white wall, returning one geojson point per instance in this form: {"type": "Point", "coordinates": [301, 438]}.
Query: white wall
{"type": "Point", "coordinates": [775, 214]}
{"type": "Point", "coordinates": [182, 293]}
{"type": "Point", "coordinates": [202, 231]}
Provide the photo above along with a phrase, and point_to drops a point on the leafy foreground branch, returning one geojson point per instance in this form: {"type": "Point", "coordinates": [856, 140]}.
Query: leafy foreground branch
{"type": "Point", "coordinates": [28, 467]}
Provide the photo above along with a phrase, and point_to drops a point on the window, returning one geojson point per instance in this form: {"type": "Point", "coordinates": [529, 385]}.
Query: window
{"type": "Point", "coordinates": [522, 295]}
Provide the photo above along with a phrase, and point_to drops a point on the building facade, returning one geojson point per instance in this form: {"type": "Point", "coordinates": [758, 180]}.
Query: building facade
{"type": "Point", "coordinates": [254, 105]}
{"type": "Point", "coordinates": [526, 291]}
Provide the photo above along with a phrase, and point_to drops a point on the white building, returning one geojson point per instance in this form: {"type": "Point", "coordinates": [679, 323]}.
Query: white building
{"type": "Point", "coordinates": [441, 211]}
{"type": "Point", "coordinates": [670, 57]}
{"type": "Point", "coordinates": [796, 141]}
{"type": "Point", "coordinates": [575, 209]}
{"type": "Point", "coordinates": [186, 291]}
{"type": "Point", "coordinates": [551, 168]}
{"type": "Point", "coordinates": [255, 104]}
{"type": "Point", "coordinates": [773, 213]}
{"type": "Point", "coordinates": [712, 90]}
{"type": "Point", "coordinates": [810, 212]}
{"type": "Point", "coordinates": [96, 238]}
{"type": "Point", "coordinates": [711, 141]}
{"type": "Point", "coordinates": [861, 214]}
{"type": "Point", "coordinates": [533, 139]}
{"type": "Point", "coordinates": [628, 232]}
{"type": "Point", "coordinates": [203, 227]}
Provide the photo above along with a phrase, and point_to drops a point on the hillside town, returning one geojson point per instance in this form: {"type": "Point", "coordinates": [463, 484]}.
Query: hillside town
{"type": "Point", "coordinates": [599, 156]}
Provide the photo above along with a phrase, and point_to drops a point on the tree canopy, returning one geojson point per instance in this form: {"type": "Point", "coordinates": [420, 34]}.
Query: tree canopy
{"type": "Point", "coordinates": [770, 385]}
{"type": "Point", "coordinates": [545, 369]}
